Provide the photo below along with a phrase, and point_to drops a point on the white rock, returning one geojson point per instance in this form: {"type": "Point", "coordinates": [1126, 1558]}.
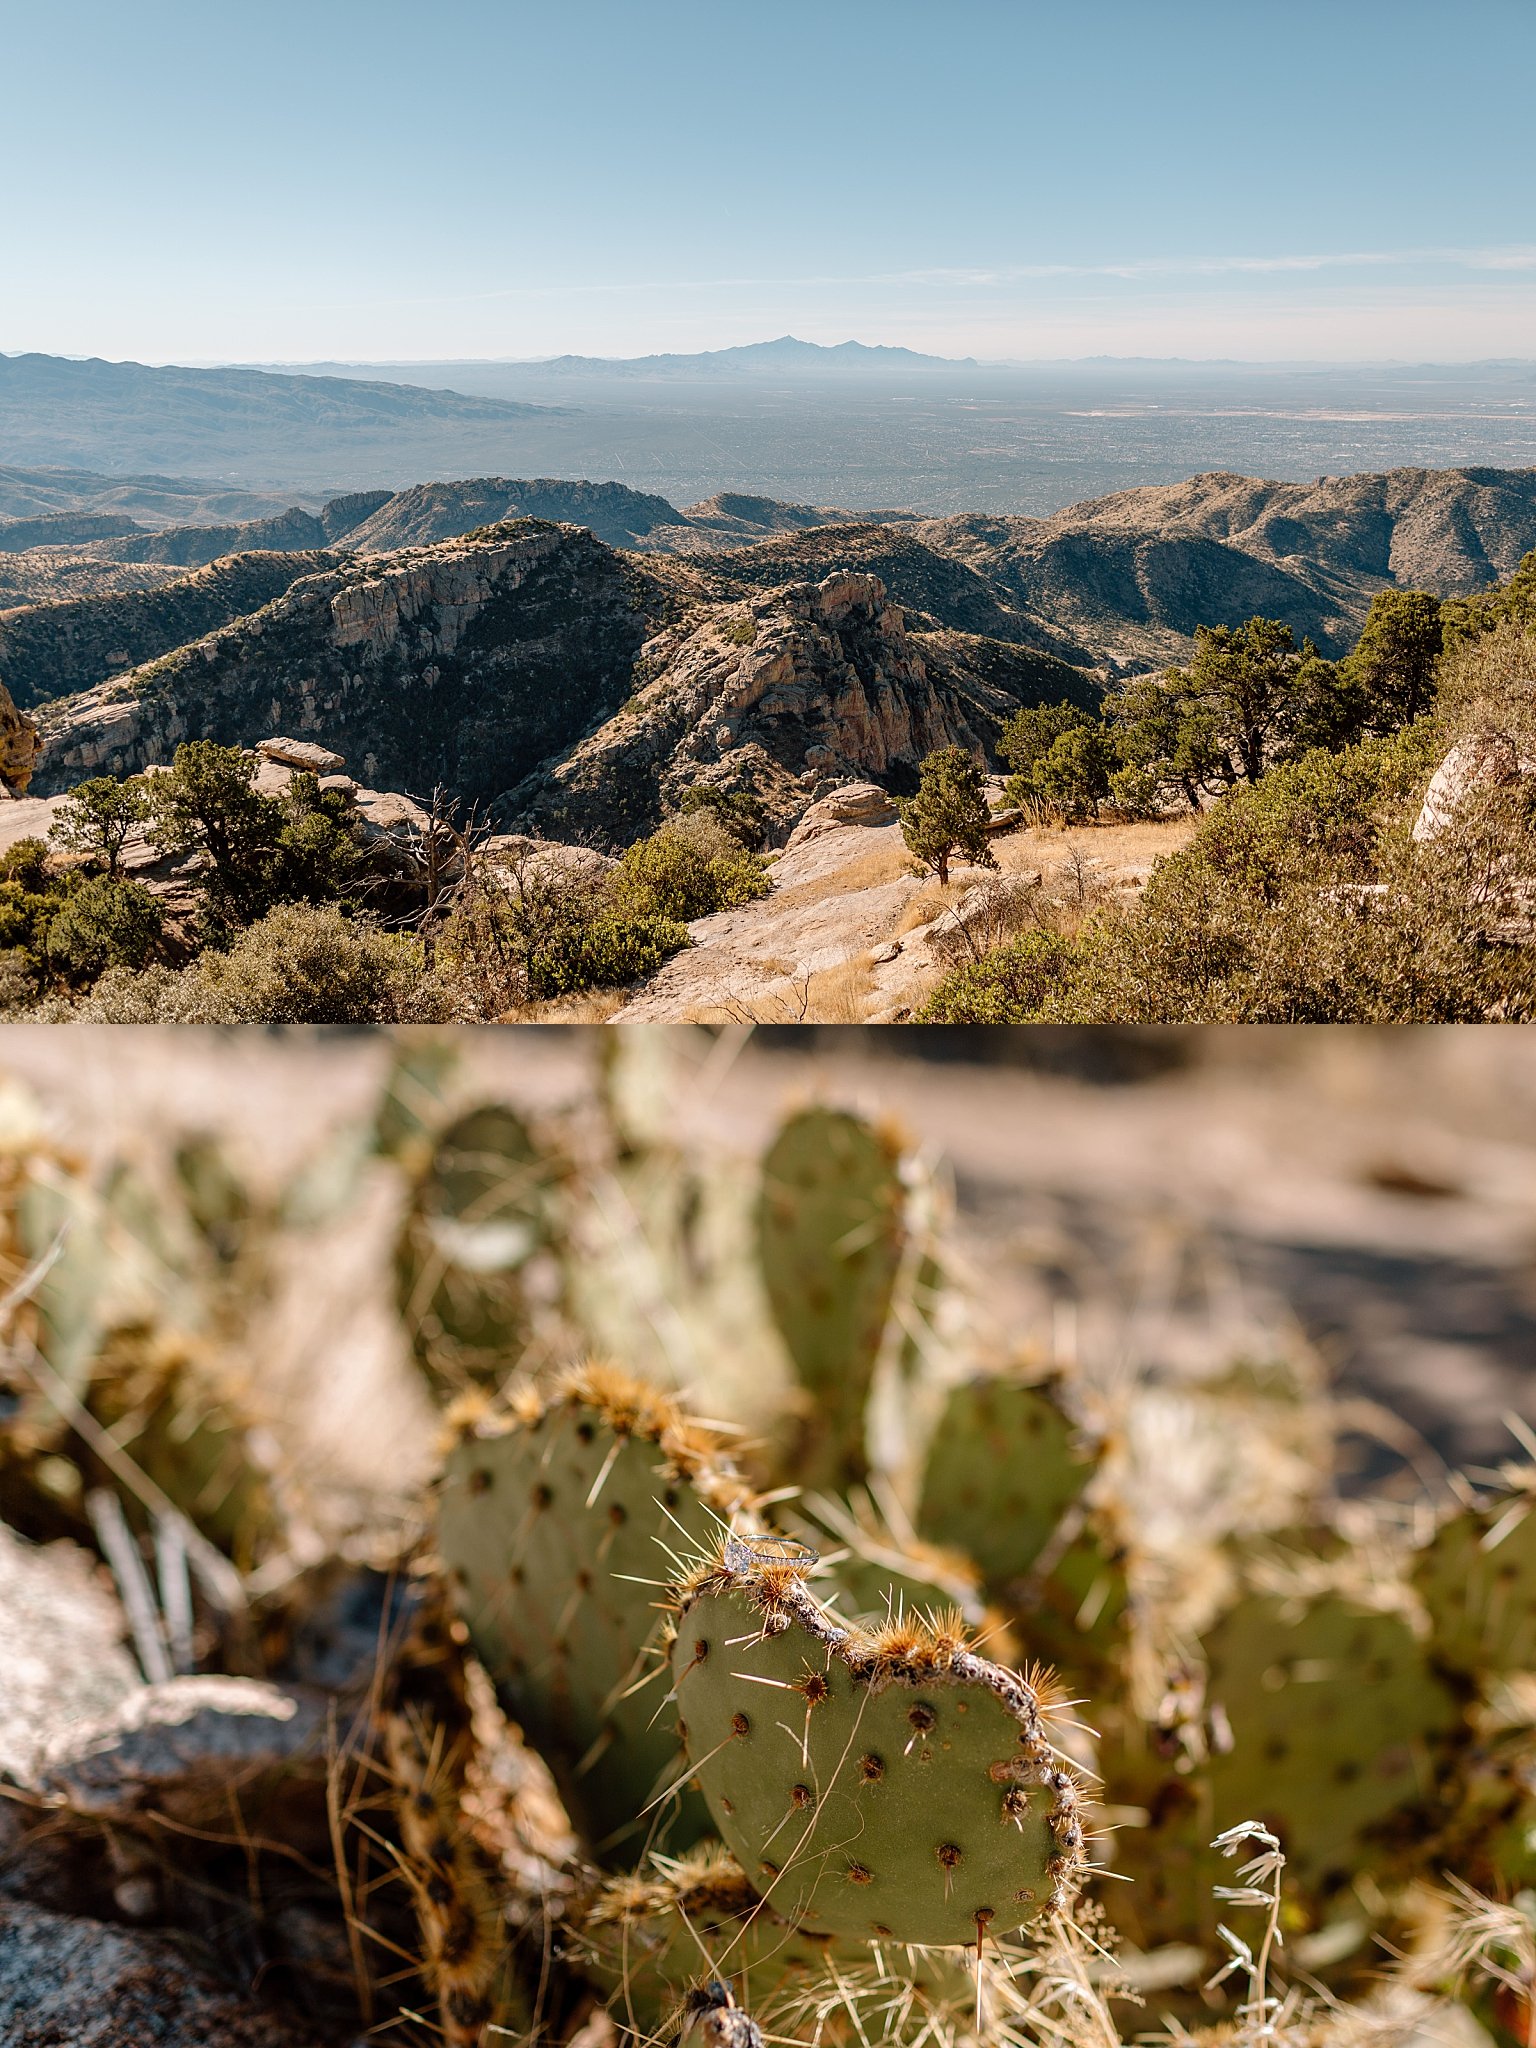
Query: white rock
{"type": "Point", "coordinates": [851, 803]}
{"type": "Point", "coordinates": [302, 754]}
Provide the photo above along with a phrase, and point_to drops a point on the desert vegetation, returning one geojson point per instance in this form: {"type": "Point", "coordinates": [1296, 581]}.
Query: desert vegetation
{"type": "Point", "coordinates": [1318, 885]}
{"type": "Point", "coordinates": [928, 1693]}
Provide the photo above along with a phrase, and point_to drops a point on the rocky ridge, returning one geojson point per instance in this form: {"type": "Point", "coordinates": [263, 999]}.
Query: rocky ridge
{"type": "Point", "coordinates": [799, 686]}
{"type": "Point", "coordinates": [53, 650]}
{"type": "Point", "coordinates": [464, 665]}
{"type": "Point", "coordinates": [577, 689]}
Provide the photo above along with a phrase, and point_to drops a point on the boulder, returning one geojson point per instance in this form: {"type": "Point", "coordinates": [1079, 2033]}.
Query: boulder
{"type": "Point", "coordinates": [73, 1983]}
{"type": "Point", "coordinates": [302, 754]}
{"type": "Point", "coordinates": [187, 1749]}
{"type": "Point", "coordinates": [850, 803]}
{"type": "Point", "coordinates": [18, 745]}
{"type": "Point", "coordinates": [550, 860]}
{"type": "Point", "coordinates": [62, 1659]}
{"type": "Point", "coordinates": [1487, 760]}
{"type": "Point", "coordinates": [386, 814]}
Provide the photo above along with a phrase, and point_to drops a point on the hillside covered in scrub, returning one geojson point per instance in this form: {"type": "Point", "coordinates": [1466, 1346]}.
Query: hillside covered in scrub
{"type": "Point", "coordinates": [677, 704]}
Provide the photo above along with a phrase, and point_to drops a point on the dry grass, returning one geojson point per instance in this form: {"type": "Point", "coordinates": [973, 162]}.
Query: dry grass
{"type": "Point", "coordinates": [1116, 847]}
{"type": "Point", "coordinates": [832, 995]}
{"type": "Point", "coordinates": [596, 1006]}
{"type": "Point", "coordinates": [870, 871]}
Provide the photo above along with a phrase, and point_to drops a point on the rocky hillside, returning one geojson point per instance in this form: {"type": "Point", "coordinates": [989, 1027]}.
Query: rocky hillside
{"type": "Point", "coordinates": [965, 596]}
{"type": "Point", "coordinates": [795, 687]}
{"type": "Point", "coordinates": [63, 529]}
{"type": "Point", "coordinates": [464, 664]}
{"type": "Point", "coordinates": [1125, 580]}
{"type": "Point", "coordinates": [290, 531]}
{"type": "Point", "coordinates": [54, 650]}
{"type": "Point", "coordinates": [616, 514]}
{"type": "Point", "coordinates": [482, 663]}
{"type": "Point", "coordinates": [1451, 531]}
{"type": "Point", "coordinates": [143, 500]}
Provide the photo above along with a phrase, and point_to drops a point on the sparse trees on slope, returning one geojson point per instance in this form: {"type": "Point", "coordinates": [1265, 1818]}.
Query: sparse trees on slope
{"type": "Point", "coordinates": [97, 816]}
{"type": "Point", "coordinates": [1394, 661]}
{"type": "Point", "coordinates": [948, 815]}
{"type": "Point", "coordinates": [1222, 720]}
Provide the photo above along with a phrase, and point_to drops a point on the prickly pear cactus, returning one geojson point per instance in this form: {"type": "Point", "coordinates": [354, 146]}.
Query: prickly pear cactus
{"type": "Point", "coordinates": [882, 1784]}
{"type": "Point", "coordinates": [1477, 1578]}
{"type": "Point", "coordinates": [650, 1941]}
{"type": "Point", "coordinates": [428, 1747]}
{"type": "Point", "coordinates": [1003, 1484]}
{"type": "Point", "coordinates": [193, 1439]}
{"type": "Point", "coordinates": [563, 1519]}
{"type": "Point", "coordinates": [831, 1228]}
{"type": "Point", "coordinates": [1331, 1726]}
{"type": "Point", "coordinates": [873, 1575]}
{"type": "Point", "coordinates": [479, 1214]}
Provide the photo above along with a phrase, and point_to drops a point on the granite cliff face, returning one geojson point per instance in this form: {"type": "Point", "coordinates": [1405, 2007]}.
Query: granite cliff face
{"type": "Point", "coordinates": [805, 684]}
{"type": "Point", "coordinates": [464, 664]}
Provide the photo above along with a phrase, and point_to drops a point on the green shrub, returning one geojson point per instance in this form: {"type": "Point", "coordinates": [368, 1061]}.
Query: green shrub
{"type": "Point", "coordinates": [26, 864]}
{"type": "Point", "coordinates": [104, 923]}
{"type": "Point", "coordinates": [1031, 732]}
{"type": "Point", "coordinates": [1072, 777]}
{"type": "Point", "coordinates": [610, 949]}
{"type": "Point", "coordinates": [948, 815]}
{"type": "Point", "coordinates": [1135, 793]}
{"type": "Point", "coordinates": [687, 869]}
{"type": "Point", "coordinates": [307, 964]}
{"type": "Point", "coordinates": [737, 810]}
{"type": "Point", "coordinates": [97, 816]}
{"type": "Point", "coordinates": [1007, 986]}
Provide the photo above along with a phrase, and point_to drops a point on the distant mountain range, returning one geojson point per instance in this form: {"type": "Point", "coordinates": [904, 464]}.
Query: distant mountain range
{"type": "Point", "coordinates": [786, 357]}
{"type": "Point", "coordinates": [253, 425]}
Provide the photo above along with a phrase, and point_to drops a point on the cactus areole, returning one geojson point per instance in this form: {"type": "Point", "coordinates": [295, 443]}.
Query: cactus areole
{"type": "Point", "coordinates": [881, 1783]}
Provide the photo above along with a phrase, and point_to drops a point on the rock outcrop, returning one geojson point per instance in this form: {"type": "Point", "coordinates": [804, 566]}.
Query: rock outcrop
{"type": "Point", "coordinates": [1487, 760]}
{"type": "Point", "coordinates": [851, 803]}
{"type": "Point", "coordinates": [69, 1980]}
{"type": "Point", "coordinates": [808, 684]}
{"type": "Point", "coordinates": [18, 747]}
{"type": "Point", "coordinates": [464, 665]}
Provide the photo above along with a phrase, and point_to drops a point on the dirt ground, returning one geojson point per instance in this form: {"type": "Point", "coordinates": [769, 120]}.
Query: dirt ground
{"type": "Point", "coordinates": [1373, 1192]}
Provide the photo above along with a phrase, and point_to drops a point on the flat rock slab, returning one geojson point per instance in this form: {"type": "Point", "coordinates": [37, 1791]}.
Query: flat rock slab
{"type": "Point", "coordinates": [302, 754]}
{"type": "Point", "coordinates": [833, 898]}
{"type": "Point", "coordinates": [185, 1748]}
{"type": "Point", "coordinates": [62, 1657]}
{"type": "Point", "coordinates": [68, 1983]}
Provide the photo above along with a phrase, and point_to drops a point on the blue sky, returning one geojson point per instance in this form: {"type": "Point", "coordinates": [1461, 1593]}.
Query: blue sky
{"type": "Point", "coordinates": [265, 180]}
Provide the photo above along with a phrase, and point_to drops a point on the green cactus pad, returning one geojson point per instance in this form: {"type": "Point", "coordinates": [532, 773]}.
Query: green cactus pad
{"type": "Point", "coordinates": [647, 1941]}
{"type": "Point", "coordinates": [1477, 1577]}
{"type": "Point", "coordinates": [1005, 1472]}
{"type": "Point", "coordinates": [885, 1784]}
{"type": "Point", "coordinates": [1336, 1724]}
{"type": "Point", "coordinates": [831, 1227]}
{"type": "Point", "coordinates": [479, 1213]}
{"type": "Point", "coordinates": [562, 1522]}
{"type": "Point", "coordinates": [872, 1575]}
